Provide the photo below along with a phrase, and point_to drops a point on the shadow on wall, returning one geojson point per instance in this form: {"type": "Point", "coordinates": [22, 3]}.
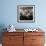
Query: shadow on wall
{"type": "Point", "coordinates": [2, 29]}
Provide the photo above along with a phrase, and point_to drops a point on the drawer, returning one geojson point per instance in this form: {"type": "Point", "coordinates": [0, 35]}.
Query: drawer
{"type": "Point", "coordinates": [12, 44]}
{"type": "Point", "coordinates": [17, 41]}
{"type": "Point", "coordinates": [12, 39]}
{"type": "Point", "coordinates": [34, 39]}
{"type": "Point", "coordinates": [13, 33]}
{"type": "Point", "coordinates": [37, 39]}
{"type": "Point", "coordinates": [8, 45]}
{"type": "Point", "coordinates": [34, 33]}
{"type": "Point", "coordinates": [37, 44]}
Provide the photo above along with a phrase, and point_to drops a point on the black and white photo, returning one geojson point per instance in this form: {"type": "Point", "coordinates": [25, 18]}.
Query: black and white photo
{"type": "Point", "coordinates": [25, 13]}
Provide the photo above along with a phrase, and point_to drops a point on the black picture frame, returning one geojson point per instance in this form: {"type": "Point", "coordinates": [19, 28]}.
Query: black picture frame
{"type": "Point", "coordinates": [26, 13]}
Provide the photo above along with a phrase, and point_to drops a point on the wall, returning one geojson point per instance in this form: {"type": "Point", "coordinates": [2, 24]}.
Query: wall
{"type": "Point", "coordinates": [8, 13]}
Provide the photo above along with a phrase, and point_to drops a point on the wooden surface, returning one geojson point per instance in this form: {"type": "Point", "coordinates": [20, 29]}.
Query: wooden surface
{"type": "Point", "coordinates": [13, 39]}
{"type": "Point", "coordinates": [23, 39]}
{"type": "Point", "coordinates": [34, 39]}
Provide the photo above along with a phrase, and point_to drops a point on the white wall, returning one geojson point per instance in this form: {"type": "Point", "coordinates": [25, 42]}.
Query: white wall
{"type": "Point", "coordinates": [9, 13]}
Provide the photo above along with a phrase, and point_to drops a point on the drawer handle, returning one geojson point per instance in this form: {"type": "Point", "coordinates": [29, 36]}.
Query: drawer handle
{"type": "Point", "coordinates": [33, 39]}
{"type": "Point", "coordinates": [11, 38]}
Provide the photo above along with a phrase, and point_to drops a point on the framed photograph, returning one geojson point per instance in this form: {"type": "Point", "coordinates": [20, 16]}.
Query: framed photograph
{"type": "Point", "coordinates": [26, 13]}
